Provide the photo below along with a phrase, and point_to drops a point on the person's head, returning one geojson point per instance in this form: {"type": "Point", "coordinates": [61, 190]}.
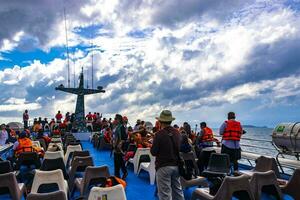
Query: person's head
{"type": "Point", "coordinates": [23, 134]}
{"type": "Point", "coordinates": [138, 122]}
{"type": "Point", "coordinates": [165, 118]}
{"type": "Point", "coordinates": [26, 111]}
{"type": "Point", "coordinates": [40, 133]}
{"type": "Point", "coordinates": [3, 126]}
{"type": "Point", "coordinates": [119, 118]}
{"type": "Point", "coordinates": [231, 115]}
{"type": "Point", "coordinates": [202, 124]}
{"type": "Point", "coordinates": [125, 119]}
{"type": "Point", "coordinates": [90, 113]}
{"type": "Point", "coordinates": [59, 111]}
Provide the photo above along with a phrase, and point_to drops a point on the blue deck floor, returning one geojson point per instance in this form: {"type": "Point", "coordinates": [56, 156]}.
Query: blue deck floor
{"type": "Point", "coordinates": [138, 187]}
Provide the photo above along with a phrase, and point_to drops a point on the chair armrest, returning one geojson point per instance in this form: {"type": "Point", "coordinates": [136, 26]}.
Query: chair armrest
{"type": "Point", "coordinates": [201, 194]}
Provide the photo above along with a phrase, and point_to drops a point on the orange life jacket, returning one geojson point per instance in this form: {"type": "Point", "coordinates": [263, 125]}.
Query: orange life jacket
{"type": "Point", "coordinates": [233, 130]}
{"type": "Point", "coordinates": [207, 135]}
{"type": "Point", "coordinates": [25, 145]}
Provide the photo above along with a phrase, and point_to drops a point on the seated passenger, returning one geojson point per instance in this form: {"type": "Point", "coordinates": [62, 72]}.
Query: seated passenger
{"type": "Point", "coordinates": [24, 144]}
{"type": "Point", "coordinates": [56, 131]}
{"type": "Point", "coordinates": [44, 137]}
{"type": "Point", "coordinates": [107, 135]}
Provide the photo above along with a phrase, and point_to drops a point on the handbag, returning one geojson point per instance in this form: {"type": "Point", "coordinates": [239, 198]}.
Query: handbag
{"type": "Point", "coordinates": [182, 169]}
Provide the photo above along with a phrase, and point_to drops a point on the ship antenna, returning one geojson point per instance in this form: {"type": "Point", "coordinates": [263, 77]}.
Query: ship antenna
{"type": "Point", "coordinates": [92, 63]}
{"type": "Point", "coordinates": [74, 71]}
{"type": "Point", "coordinates": [67, 47]}
{"type": "Point", "coordinates": [87, 78]}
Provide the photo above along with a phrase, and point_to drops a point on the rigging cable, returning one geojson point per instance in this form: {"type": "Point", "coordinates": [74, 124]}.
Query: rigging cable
{"type": "Point", "coordinates": [67, 47]}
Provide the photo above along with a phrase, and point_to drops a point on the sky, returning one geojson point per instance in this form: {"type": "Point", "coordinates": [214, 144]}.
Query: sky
{"type": "Point", "coordinates": [198, 58]}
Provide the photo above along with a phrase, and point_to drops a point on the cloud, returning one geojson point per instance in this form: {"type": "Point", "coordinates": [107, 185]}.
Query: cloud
{"type": "Point", "coordinates": [36, 20]}
{"type": "Point", "coordinates": [14, 104]}
{"type": "Point", "coordinates": [200, 57]}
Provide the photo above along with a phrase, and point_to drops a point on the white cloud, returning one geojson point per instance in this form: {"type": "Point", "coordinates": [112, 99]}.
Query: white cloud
{"type": "Point", "coordinates": [193, 65]}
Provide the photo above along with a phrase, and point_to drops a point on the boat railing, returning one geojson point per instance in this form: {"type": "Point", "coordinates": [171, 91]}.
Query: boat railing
{"type": "Point", "coordinates": [250, 152]}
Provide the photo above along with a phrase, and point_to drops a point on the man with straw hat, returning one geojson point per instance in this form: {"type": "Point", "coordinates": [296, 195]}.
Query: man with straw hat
{"type": "Point", "coordinates": [166, 145]}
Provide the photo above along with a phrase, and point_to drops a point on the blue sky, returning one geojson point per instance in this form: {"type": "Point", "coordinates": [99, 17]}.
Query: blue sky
{"type": "Point", "coordinates": [200, 59]}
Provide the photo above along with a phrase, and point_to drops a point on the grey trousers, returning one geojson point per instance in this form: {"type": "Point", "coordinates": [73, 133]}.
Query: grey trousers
{"type": "Point", "coordinates": [168, 183]}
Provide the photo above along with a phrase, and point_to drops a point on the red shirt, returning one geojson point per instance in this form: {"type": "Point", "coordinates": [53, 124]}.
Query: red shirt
{"type": "Point", "coordinates": [58, 116]}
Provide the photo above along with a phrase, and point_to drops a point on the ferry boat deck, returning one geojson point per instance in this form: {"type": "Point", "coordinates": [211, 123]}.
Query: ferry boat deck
{"type": "Point", "coordinates": [138, 187]}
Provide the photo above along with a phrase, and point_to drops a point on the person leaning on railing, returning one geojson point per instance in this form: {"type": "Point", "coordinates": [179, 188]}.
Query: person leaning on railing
{"type": "Point", "coordinates": [231, 131]}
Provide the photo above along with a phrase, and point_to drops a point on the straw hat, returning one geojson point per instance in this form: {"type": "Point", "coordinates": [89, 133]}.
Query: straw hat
{"type": "Point", "coordinates": [165, 116]}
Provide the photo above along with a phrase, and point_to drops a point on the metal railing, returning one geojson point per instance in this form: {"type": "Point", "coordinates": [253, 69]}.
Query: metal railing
{"type": "Point", "coordinates": [252, 151]}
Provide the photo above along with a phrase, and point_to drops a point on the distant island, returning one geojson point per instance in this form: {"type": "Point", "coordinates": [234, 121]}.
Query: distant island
{"type": "Point", "coordinates": [252, 126]}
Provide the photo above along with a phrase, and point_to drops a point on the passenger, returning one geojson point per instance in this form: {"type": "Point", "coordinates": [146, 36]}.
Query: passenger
{"type": "Point", "coordinates": [107, 135]}
{"type": "Point", "coordinates": [119, 138]}
{"type": "Point", "coordinates": [166, 146]}
{"type": "Point", "coordinates": [185, 145]}
{"type": "Point", "coordinates": [24, 144]}
{"type": "Point", "coordinates": [67, 117]}
{"type": "Point", "coordinates": [58, 117]}
{"type": "Point", "coordinates": [176, 127]}
{"type": "Point", "coordinates": [11, 133]}
{"type": "Point", "coordinates": [44, 137]}
{"type": "Point", "coordinates": [157, 126]}
{"type": "Point", "coordinates": [56, 131]}
{"type": "Point", "coordinates": [36, 126]}
{"type": "Point", "coordinates": [94, 116]}
{"type": "Point", "coordinates": [3, 135]}
{"type": "Point", "coordinates": [204, 139]}
{"type": "Point", "coordinates": [89, 117]}
{"type": "Point", "coordinates": [187, 129]}
{"type": "Point", "coordinates": [137, 125]}
{"type": "Point", "coordinates": [25, 119]}
{"type": "Point", "coordinates": [231, 131]}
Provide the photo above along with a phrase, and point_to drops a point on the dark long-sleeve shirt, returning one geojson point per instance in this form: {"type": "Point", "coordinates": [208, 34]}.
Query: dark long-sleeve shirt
{"type": "Point", "coordinates": [163, 149]}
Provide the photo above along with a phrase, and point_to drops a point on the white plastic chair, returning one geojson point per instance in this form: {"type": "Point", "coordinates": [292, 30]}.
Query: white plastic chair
{"type": "Point", "coordinates": [54, 155]}
{"type": "Point", "coordinates": [135, 160]}
{"type": "Point", "coordinates": [47, 177]}
{"type": "Point", "coordinates": [115, 192]}
{"type": "Point", "coordinates": [150, 168]}
{"type": "Point", "coordinates": [36, 144]}
{"type": "Point", "coordinates": [54, 139]}
{"type": "Point", "coordinates": [71, 148]}
{"type": "Point", "coordinates": [57, 144]}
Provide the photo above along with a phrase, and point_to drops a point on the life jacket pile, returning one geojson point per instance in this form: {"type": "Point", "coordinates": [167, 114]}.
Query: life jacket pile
{"type": "Point", "coordinates": [233, 130]}
{"type": "Point", "coordinates": [207, 135]}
